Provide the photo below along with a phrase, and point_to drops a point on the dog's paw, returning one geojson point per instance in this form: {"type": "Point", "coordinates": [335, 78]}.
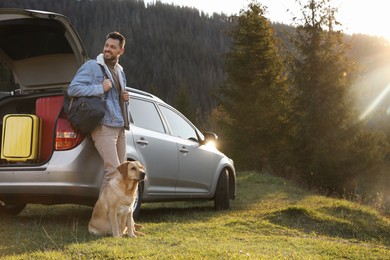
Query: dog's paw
{"type": "Point", "coordinates": [138, 226]}
{"type": "Point", "coordinates": [93, 231]}
{"type": "Point", "coordinates": [134, 234]}
{"type": "Point", "coordinates": [139, 234]}
{"type": "Point", "coordinates": [131, 235]}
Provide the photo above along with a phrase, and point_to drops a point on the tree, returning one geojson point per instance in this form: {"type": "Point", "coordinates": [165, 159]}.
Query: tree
{"type": "Point", "coordinates": [328, 150]}
{"type": "Point", "coordinates": [255, 100]}
{"type": "Point", "coordinates": [166, 45]}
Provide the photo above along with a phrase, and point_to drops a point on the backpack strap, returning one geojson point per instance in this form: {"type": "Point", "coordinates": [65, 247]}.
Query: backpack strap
{"type": "Point", "coordinates": [105, 77]}
{"type": "Point", "coordinates": [104, 71]}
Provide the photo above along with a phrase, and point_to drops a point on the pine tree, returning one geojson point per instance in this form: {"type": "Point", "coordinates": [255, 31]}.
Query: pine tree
{"type": "Point", "coordinates": [255, 93]}
{"type": "Point", "coordinates": [329, 137]}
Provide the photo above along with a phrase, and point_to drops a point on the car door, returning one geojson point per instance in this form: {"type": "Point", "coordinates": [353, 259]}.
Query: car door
{"type": "Point", "coordinates": [158, 150]}
{"type": "Point", "coordinates": [197, 163]}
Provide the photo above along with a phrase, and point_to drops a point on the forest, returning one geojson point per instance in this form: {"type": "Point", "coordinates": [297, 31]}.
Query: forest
{"type": "Point", "coordinates": [305, 121]}
{"type": "Point", "coordinates": [169, 49]}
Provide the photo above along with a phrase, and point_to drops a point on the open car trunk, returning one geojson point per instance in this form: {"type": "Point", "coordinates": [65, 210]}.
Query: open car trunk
{"type": "Point", "coordinates": [40, 53]}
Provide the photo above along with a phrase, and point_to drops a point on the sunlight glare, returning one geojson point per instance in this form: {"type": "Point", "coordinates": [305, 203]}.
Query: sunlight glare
{"type": "Point", "coordinates": [375, 103]}
{"type": "Point", "coordinates": [211, 144]}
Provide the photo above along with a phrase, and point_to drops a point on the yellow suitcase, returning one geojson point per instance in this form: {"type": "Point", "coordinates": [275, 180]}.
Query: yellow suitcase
{"type": "Point", "coordinates": [21, 137]}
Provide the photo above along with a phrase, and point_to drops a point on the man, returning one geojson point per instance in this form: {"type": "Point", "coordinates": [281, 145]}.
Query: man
{"type": "Point", "coordinates": [109, 136]}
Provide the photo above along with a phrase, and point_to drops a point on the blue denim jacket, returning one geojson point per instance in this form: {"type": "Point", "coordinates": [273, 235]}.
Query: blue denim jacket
{"type": "Point", "coordinates": [88, 82]}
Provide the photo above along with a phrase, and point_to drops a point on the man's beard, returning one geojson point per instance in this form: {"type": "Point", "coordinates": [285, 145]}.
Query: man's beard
{"type": "Point", "coordinates": [109, 56]}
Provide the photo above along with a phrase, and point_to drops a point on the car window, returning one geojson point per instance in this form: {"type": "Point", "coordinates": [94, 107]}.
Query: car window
{"type": "Point", "coordinates": [178, 125]}
{"type": "Point", "coordinates": [144, 114]}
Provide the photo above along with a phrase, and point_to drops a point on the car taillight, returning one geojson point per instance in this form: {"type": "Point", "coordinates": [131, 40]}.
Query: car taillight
{"type": "Point", "coordinates": [66, 137]}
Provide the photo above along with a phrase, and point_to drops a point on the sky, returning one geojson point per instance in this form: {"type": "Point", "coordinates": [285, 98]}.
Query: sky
{"type": "Point", "coordinates": [357, 16]}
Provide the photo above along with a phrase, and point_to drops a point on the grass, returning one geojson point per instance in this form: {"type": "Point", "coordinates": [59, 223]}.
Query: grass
{"type": "Point", "coordinates": [270, 219]}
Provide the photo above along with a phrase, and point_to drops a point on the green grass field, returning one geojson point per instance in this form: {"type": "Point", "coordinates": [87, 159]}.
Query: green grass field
{"type": "Point", "coordinates": [270, 219]}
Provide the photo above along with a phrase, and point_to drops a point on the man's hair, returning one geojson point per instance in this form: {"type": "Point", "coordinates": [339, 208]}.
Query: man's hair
{"type": "Point", "coordinates": [117, 36]}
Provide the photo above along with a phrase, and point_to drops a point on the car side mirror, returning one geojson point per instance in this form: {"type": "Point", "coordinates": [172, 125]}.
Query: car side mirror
{"type": "Point", "coordinates": [210, 137]}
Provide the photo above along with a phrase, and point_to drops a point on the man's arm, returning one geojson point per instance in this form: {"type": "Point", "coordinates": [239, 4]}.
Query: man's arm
{"type": "Point", "coordinates": [87, 82]}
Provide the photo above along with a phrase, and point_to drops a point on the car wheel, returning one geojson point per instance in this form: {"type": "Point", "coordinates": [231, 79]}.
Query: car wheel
{"type": "Point", "coordinates": [11, 209]}
{"type": "Point", "coordinates": [222, 196]}
{"type": "Point", "coordinates": [138, 200]}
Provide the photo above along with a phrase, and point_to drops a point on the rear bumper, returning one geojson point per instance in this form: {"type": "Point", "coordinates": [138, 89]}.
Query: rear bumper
{"type": "Point", "coordinates": [68, 177]}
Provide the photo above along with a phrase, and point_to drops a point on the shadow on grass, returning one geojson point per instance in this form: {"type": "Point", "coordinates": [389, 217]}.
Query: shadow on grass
{"type": "Point", "coordinates": [177, 212]}
{"type": "Point", "coordinates": [339, 222]}
{"type": "Point", "coordinates": [46, 228]}
{"type": "Point", "coordinates": [42, 228]}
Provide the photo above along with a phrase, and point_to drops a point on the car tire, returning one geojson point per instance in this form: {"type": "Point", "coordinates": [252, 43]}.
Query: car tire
{"type": "Point", "coordinates": [11, 209]}
{"type": "Point", "coordinates": [222, 196]}
{"type": "Point", "coordinates": [138, 200]}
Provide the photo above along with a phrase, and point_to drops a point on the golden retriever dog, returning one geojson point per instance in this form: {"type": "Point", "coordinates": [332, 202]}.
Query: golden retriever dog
{"type": "Point", "coordinates": [113, 211]}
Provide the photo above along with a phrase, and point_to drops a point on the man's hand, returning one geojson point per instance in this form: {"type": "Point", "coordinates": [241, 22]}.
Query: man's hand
{"type": "Point", "coordinates": [125, 96]}
{"type": "Point", "coordinates": [107, 85]}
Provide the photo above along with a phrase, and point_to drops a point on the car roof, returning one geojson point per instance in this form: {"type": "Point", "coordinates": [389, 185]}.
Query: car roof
{"type": "Point", "coordinates": [143, 94]}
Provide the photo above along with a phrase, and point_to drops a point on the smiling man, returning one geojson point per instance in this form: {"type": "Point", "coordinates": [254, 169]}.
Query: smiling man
{"type": "Point", "coordinates": [105, 77]}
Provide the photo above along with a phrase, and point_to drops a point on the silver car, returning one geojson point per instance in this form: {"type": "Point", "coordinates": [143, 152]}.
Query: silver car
{"type": "Point", "coordinates": [40, 53]}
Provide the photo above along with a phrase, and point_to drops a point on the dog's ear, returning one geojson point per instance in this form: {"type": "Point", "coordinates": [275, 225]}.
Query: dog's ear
{"type": "Point", "coordinates": [123, 169]}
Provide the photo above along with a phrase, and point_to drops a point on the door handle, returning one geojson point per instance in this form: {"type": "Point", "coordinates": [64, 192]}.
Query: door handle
{"type": "Point", "coordinates": [142, 142]}
{"type": "Point", "coordinates": [184, 150]}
